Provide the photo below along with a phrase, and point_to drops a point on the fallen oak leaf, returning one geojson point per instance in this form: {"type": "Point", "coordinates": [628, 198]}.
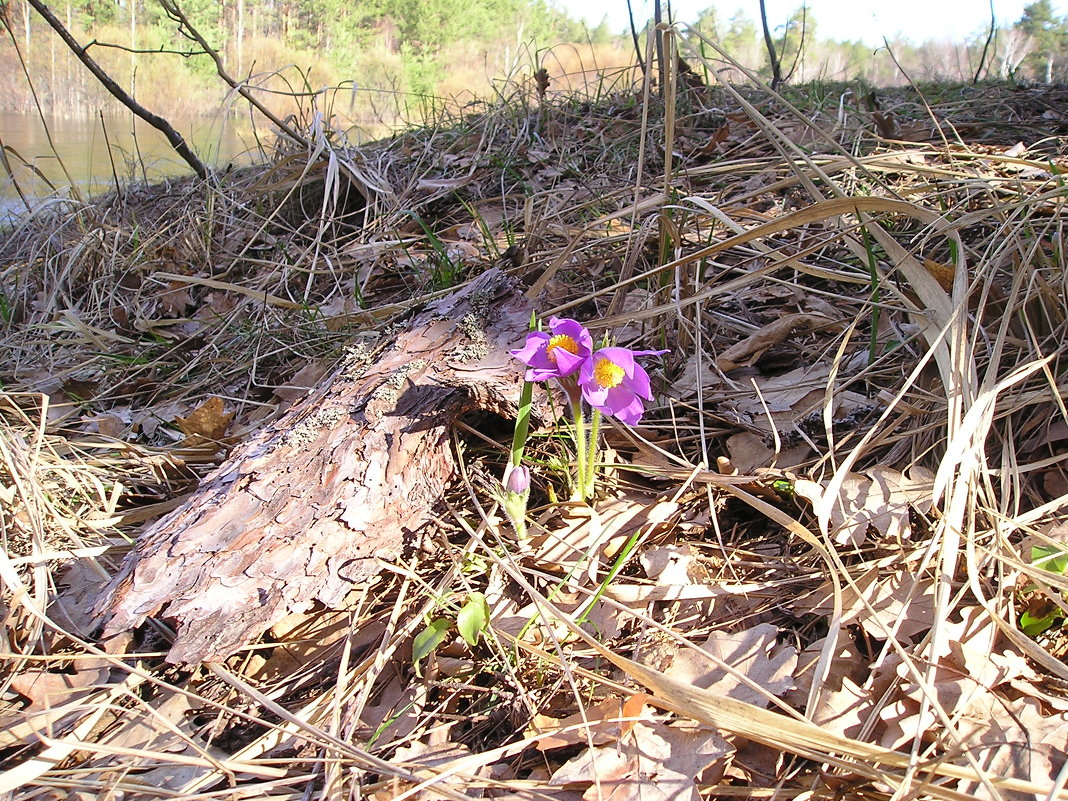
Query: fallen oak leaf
{"type": "Point", "coordinates": [208, 422]}
{"type": "Point", "coordinates": [599, 724]}
{"type": "Point", "coordinates": [653, 761]}
{"type": "Point", "coordinates": [736, 665]}
{"type": "Point", "coordinates": [774, 333]}
{"type": "Point", "coordinates": [174, 300]}
{"type": "Point", "coordinates": [881, 499]}
{"type": "Point", "coordinates": [46, 689]}
{"type": "Point", "coordinates": [897, 603]}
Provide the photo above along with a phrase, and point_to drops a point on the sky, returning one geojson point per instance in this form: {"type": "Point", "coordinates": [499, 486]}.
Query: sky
{"type": "Point", "coordinates": [867, 20]}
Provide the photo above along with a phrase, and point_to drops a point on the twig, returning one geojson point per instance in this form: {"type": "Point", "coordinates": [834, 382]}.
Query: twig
{"type": "Point", "coordinates": [146, 51]}
{"type": "Point", "coordinates": [157, 122]}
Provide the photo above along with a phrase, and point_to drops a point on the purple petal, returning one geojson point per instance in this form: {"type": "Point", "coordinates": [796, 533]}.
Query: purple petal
{"type": "Point", "coordinates": [595, 394]}
{"type": "Point", "coordinates": [575, 330]}
{"type": "Point", "coordinates": [624, 357]}
{"type": "Point", "coordinates": [624, 405]}
{"type": "Point", "coordinates": [623, 401]}
{"type": "Point", "coordinates": [536, 342]}
{"type": "Point", "coordinates": [568, 362]}
{"type": "Point", "coordinates": [638, 383]}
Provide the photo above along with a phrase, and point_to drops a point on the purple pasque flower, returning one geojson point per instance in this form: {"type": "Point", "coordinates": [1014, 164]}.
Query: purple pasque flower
{"type": "Point", "coordinates": [614, 384]}
{"type": "Point", "coordinates": [558, 353]}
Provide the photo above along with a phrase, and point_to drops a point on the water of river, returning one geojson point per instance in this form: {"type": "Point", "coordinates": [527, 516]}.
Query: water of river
{"type": "Point", "coordinates": [97, 151]}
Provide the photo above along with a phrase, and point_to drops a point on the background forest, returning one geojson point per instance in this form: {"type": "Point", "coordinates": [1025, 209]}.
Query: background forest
{"type": "Point", "coordinates": [376, 62]}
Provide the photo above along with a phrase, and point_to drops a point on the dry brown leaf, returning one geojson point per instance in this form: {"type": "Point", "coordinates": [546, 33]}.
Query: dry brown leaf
{"type": "Point", "coordinates": [599, 724]}
{"type": "Point", "coordinates": [674, 568]}
{"type": "Point", "coordinates": [967, 672]}
{"type": "Point", "coordinates": [973, 643]}
{"type": "Point", "coordinates": [302, 382]}
{"type": "Point", "coordinates": [175, 300]}
{"type": "Point", "coordinates": [943, 273]}
{"type": "Point", "coordinates": [208, 422]}
{"type": "Point", "coordinates": [145, 731]}
{"type": "Point", "coordinates": [77, 590]}
{"type": "Point", "coordinates": [110, 425]}
{"type": "Point", "coordinates": [698, 371]}
{"type": "Point", "coordinates": [653, 761]}
{"type": "Point", "coordinates": [46, 689]}
{"type": "Point", "coordinates": [881, 602]}
{"type": "Point", "coordinates": [881, 499]}
{"type": "Point", "coordinates": [754, 653]}
{"type": "Point", "coordinates": [217, 304]}
{"type": "Point", "coordinates": [397, 713]}
{"type": "Point", "coordinates": [601, 764]}
{"type": "Point", "coordinates": [304, 637]}
{"type": "Point", "coordinates": [749, 452]}
{"type": "Point", "coordinates": [843, 704]}
{"type": "Point", "coordinates": [774, 333]}
{"type": "Point", "coordinates": [583, 534]}
{"type": "Point", "coordinates": [786, 398]}
{"type": "Point", "coordinates": [430, 760]}
{"type": "Point", "coordinates": [1014, 739]}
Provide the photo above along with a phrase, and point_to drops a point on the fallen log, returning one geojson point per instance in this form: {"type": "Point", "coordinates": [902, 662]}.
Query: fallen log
{"type": "Point", "coordinates": [305, 509]}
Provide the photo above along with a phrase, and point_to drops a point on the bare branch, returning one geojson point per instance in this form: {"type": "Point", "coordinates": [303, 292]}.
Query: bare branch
{"type": "Point", "coordinates": [175, 13]}
{"type": "Point", "coordinates": [634, 36]}
{"type": "Point", "coordinates": [147, 52]}
{"type": "Point", "coordinates": [177, 141]}
{"type": "Point", "coordinates": [986, 44]}
{"type": "Point", "coordinates": [776, 69]}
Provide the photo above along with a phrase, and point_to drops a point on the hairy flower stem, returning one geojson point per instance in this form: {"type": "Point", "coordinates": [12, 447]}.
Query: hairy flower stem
{"type": "Point", "coordinates": [589, 480]}
{"type": "Point", "coordinates": [574, 396]}
{"type": "Point", "coordinates": [585, 443]}
{"type": "Point", "coordinates": [579, 490]}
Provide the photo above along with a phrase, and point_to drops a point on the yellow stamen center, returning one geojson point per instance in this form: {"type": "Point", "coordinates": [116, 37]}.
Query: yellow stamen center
{"type": "Point", "coordinates": [561, 341]}
{"type": "Point", "coordinates": [608, 374]}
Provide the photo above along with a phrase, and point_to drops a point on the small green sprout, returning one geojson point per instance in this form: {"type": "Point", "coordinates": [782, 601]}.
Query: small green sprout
{"type": "Point", "coordinates": [1042, 614]}
{"type": "Point", "coordinates": [471, 622]}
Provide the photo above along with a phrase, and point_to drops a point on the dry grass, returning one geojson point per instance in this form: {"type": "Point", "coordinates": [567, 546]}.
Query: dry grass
{"type": "Point", "coordinates": [859, 437]}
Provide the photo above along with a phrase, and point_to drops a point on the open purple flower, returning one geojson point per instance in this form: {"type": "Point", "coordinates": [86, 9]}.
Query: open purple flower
{"type": "Point", "coordinates": [558, 353]}
{"type": "Point", "coordinates": [613, 383]}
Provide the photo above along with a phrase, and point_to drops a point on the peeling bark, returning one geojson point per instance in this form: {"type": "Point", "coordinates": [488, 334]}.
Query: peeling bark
{"type": "Point", "coordinates": [304, 510]}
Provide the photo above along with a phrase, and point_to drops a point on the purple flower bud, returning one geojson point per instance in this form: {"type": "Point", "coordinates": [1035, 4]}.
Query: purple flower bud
{"type": "Point", "coordinates": [518, 480]}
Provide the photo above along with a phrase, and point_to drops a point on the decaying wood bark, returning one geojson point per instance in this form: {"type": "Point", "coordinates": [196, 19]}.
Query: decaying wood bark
{"type": "Point", "coordinates": [302, 511]}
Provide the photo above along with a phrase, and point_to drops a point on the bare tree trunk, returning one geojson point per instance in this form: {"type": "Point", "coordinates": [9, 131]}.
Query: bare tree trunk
{"type": "Point", "coordinates": [240, 38]}
{"type": "Point", "coordinates": [133, 45]}
{"type": "Point", "coordinates": [68, 84]}
{"type": "Point", "coordinates": [304, 511]}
